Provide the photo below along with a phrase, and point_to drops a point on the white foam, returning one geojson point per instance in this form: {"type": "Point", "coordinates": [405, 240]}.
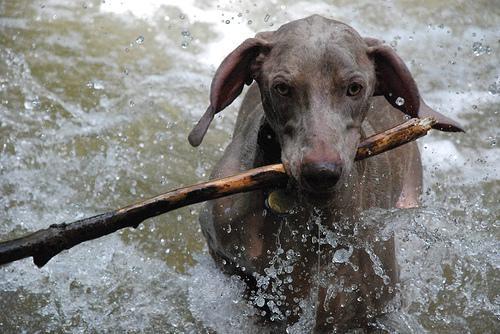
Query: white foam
{"type": "Point", "coordinates": [217, 300]}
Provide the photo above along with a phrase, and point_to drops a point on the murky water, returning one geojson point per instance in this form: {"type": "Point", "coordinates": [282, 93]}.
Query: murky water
{"type": "Point", "coordinates": [96, 100]}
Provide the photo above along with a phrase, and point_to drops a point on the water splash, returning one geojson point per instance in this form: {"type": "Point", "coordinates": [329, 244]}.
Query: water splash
{"type": "Point", "coordinates": [479, 49]}
{"type": "Point", "coordinates": [73, 152]}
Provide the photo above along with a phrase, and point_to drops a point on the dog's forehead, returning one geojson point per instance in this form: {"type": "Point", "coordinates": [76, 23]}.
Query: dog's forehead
{"type": "Point", "coordinates": [316, 38]}
{"type": "Point", "coordinates": [315, 26]}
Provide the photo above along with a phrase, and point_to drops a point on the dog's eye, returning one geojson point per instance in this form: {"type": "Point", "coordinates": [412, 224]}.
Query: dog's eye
{"type": "Point", "coordinates": [354, 89]}
{"type": "Point", "coordinates": [282, 89]}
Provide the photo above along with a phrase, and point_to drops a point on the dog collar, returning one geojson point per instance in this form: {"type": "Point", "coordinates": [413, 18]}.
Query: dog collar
{"type": "Point", "coordinates": [281, 201]}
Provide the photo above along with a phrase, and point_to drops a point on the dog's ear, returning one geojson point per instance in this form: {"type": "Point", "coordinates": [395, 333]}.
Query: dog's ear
{"type": "Point", "coordinates": [395, 82]}
{"type": "Point", "coordinates": [227, 84]}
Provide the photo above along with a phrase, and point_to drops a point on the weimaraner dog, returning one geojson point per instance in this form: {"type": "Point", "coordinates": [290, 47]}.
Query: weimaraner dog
{"type": "Point", "coordinates": [320, 89]}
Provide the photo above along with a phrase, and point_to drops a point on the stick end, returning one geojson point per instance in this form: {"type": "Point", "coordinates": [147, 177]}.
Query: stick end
{"type": "Point", "coordinates": [427, 122]}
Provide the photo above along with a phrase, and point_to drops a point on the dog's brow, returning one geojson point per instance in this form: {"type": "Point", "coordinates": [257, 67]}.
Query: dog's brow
{"type": "Point", "coordinates": [282, 73]}
{"type": "Point", "coordinates": [349, 74]}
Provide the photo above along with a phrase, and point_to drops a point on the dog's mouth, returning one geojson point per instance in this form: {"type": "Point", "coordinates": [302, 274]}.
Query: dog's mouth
{"type": "Point", "coordinates": [317, 180]}
{"type": "Point", "coordinates": [320, 191]}
{"type": "Point", "coordinates": [318, 196]}
{"type": "Point", "coordinates": [316, 189]}
{"type": "Point", "coordinates": [321, 188]}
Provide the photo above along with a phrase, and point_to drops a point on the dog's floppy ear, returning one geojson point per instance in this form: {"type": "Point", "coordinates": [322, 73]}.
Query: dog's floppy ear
{"type": "Point", "coordinates": [228, 82]}
{"type": "Point", "coordinates": [396, 83]}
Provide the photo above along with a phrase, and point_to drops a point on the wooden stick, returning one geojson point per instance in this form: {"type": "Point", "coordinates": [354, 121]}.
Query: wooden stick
{"type": "Point", "coordinates": [44, 244]}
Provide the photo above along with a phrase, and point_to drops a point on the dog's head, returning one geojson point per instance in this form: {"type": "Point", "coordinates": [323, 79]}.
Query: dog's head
{"type": "Point", "coordinates": [316, 77]}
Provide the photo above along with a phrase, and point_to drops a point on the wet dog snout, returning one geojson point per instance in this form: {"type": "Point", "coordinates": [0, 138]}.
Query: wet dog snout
{"type": "Point", "coordinates": [320, 176]}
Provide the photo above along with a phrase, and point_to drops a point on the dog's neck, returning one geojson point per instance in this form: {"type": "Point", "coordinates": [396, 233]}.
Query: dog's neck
{"type": "Point", "coordinates": [268, 146]}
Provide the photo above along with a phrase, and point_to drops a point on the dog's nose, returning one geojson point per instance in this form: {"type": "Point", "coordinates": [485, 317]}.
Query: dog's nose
{"type": "Point", "coordinates": [320, 176]}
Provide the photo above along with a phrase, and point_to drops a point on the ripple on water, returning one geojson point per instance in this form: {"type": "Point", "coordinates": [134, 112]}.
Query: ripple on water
{"type": "Point", "coordinates": [72, 145]}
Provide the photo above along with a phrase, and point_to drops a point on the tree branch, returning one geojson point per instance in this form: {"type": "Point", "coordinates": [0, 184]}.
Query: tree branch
{"type": "Point", "coordinates": [44, 244]}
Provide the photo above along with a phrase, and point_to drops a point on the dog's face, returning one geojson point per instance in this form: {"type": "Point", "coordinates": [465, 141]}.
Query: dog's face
{"type": "Point", "coordinates": [315, 92]}
{"type": "Point", "coordinates": [316, 77]}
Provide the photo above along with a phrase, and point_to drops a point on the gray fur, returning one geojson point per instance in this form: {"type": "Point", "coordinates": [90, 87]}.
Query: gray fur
{"type": "Point", "coordinates": [314, 131]}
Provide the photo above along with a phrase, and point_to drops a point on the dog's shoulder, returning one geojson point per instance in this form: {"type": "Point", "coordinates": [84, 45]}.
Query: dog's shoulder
{"type": "Point", "coordinates": [242, 152]}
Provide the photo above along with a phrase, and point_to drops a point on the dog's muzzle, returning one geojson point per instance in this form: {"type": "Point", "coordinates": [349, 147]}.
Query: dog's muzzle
{"type": "Point", "coordinates": [320, 176]}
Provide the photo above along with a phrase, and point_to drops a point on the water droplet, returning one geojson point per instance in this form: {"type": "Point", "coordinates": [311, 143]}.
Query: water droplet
{"type": "Point", "coordinates": [479, 49]}
{"type": "Point", "coordinates": [139, 40]}
{"type": "Point", "coordinates": [494, 88]}
{"type": "Point", "coordinates": [342, 255]}
{"type": "Point", "coordinates": [186, 38]}
{"type": "Point", "coordinates": [33, 104]}
{"type": "Point", "coordinates": [131, 103]}
{"type": "Point", "coordinates": [96, 84]}
{"type": "Point", "coordinates": [227, 21]}
{"type": "Point", "coordinates": [400, 101]}
{"type": "Point", "coordinates": [260, 301]}
{"type": "Point", "coordinates": [250, 22]}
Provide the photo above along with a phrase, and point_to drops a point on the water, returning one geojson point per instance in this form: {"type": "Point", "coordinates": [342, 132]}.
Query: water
{"type": "Point", "coordinates": [96, 100]}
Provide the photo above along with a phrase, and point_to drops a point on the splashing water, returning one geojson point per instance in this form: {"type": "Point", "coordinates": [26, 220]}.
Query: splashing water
{"type": "Point", "coordinates": [72, 145]}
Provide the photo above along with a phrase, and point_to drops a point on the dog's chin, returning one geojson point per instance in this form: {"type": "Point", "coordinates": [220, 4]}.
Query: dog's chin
{"type": "Point", "coordinates": [319, 196]}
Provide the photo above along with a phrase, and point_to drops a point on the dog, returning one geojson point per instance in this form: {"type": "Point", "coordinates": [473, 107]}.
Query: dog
{"type": "Point", "coordinates": [320, 88]}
